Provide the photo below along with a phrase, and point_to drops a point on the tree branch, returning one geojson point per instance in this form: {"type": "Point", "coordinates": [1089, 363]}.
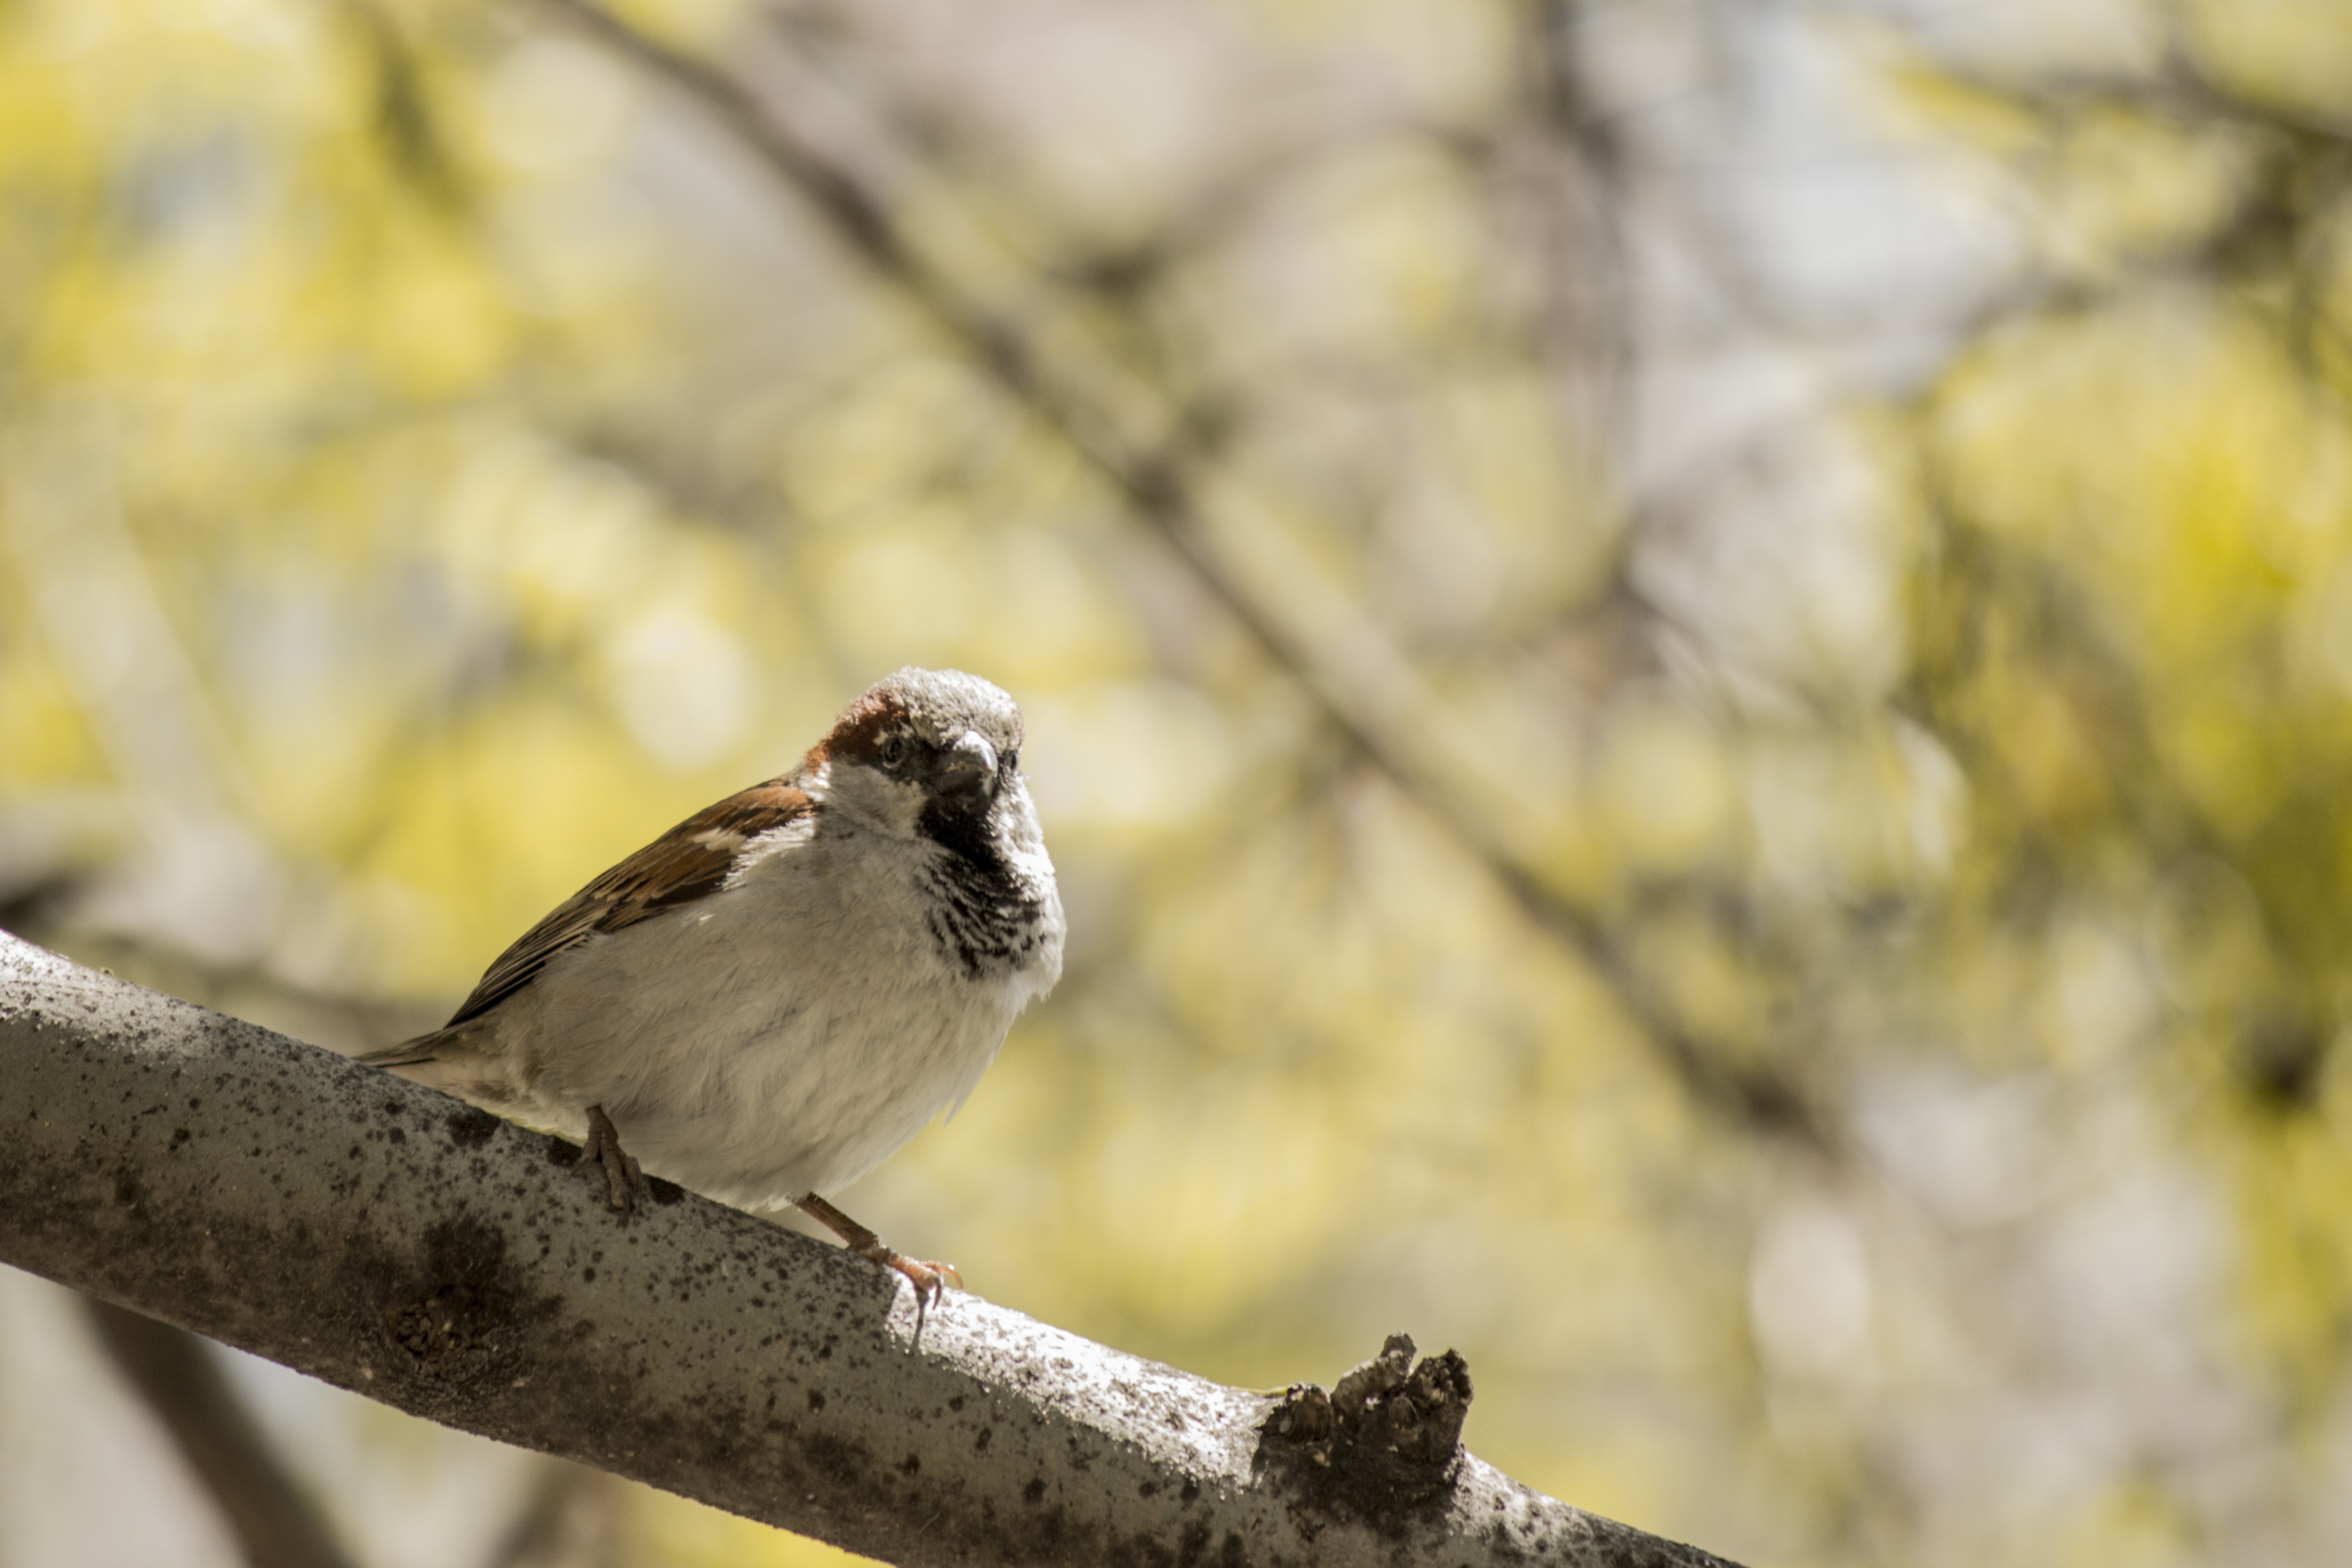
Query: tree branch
{"type": "Point", "coordinates": [393, 1242]}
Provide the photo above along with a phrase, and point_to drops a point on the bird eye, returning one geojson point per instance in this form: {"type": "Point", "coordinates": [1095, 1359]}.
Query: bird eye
{"type": "Point", "coordinates": [894, 751]}
{"type": "Point", "coordinates": [1012, 762]}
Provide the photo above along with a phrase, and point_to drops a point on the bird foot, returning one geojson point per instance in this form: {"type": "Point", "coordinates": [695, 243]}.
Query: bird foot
{"type": "Point", "coordinates": [624, 1178]}
{"type": "Point", "coordinates": [931, 1279]}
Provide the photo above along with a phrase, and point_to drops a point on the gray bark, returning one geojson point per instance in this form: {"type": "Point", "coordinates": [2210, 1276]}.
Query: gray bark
{"type": "Point", "coordinates": [409, 1248]}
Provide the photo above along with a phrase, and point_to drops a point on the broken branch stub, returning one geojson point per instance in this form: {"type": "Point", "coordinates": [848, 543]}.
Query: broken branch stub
{"type": "Point", "coordinates": [1384, 1442]}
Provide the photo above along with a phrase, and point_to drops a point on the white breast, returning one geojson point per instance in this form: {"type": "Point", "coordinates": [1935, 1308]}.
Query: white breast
{"type": "Point", "coordinates": [778, 1038]}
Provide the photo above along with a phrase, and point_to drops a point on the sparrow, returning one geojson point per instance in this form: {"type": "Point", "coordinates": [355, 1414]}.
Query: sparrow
{"type": "Point", "coordinates": [770, 998]}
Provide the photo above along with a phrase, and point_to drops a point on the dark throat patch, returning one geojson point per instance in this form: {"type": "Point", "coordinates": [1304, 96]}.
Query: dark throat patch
{"type": "Point", "coordinates": [985, 917]}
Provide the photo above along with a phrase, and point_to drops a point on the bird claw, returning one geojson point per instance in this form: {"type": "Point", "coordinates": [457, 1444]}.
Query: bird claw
{"type": "Point", "coordinates": [931, 1279]}
{"type": "Point", "coordinates": [624, 1178]}
{"type": "Point", "coordinates": [930, 1282]}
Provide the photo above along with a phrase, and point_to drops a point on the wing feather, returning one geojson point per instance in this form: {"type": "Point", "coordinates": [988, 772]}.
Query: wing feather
{"type": "Point", "coordinates": [689, 862]}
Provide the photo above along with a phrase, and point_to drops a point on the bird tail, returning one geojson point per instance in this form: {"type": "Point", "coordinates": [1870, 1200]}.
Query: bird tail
{"type": "Point", "coordinates": [454, 1061]}
{"type": "Point", "coordinates": [415, 1052]}
{"type": "Point", "coordinates": [452, 1045]}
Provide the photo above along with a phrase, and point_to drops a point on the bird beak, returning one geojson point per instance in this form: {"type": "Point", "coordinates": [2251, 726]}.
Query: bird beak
{"type": "Point", "coordinates": [967, 770]}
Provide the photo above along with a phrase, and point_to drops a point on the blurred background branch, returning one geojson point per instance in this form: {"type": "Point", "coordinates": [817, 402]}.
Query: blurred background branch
{"type": "Point", "coordinates": [274, 1522]}
{"type": "Point", "coordinates": [1365, 687]}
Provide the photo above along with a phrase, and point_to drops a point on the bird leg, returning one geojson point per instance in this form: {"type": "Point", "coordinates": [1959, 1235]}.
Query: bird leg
{"type": "Point", "coordinates": [931, 1279]}
{"type": "Point", "coordinates": [622, 1176]}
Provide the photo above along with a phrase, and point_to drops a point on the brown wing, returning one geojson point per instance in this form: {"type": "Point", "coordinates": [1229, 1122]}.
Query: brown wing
{"type": "Point", "coordinates": [689, 862]}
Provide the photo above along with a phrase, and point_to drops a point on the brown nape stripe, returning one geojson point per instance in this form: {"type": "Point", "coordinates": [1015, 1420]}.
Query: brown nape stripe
{"type": "Point", "coordinates": [858, 735]}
